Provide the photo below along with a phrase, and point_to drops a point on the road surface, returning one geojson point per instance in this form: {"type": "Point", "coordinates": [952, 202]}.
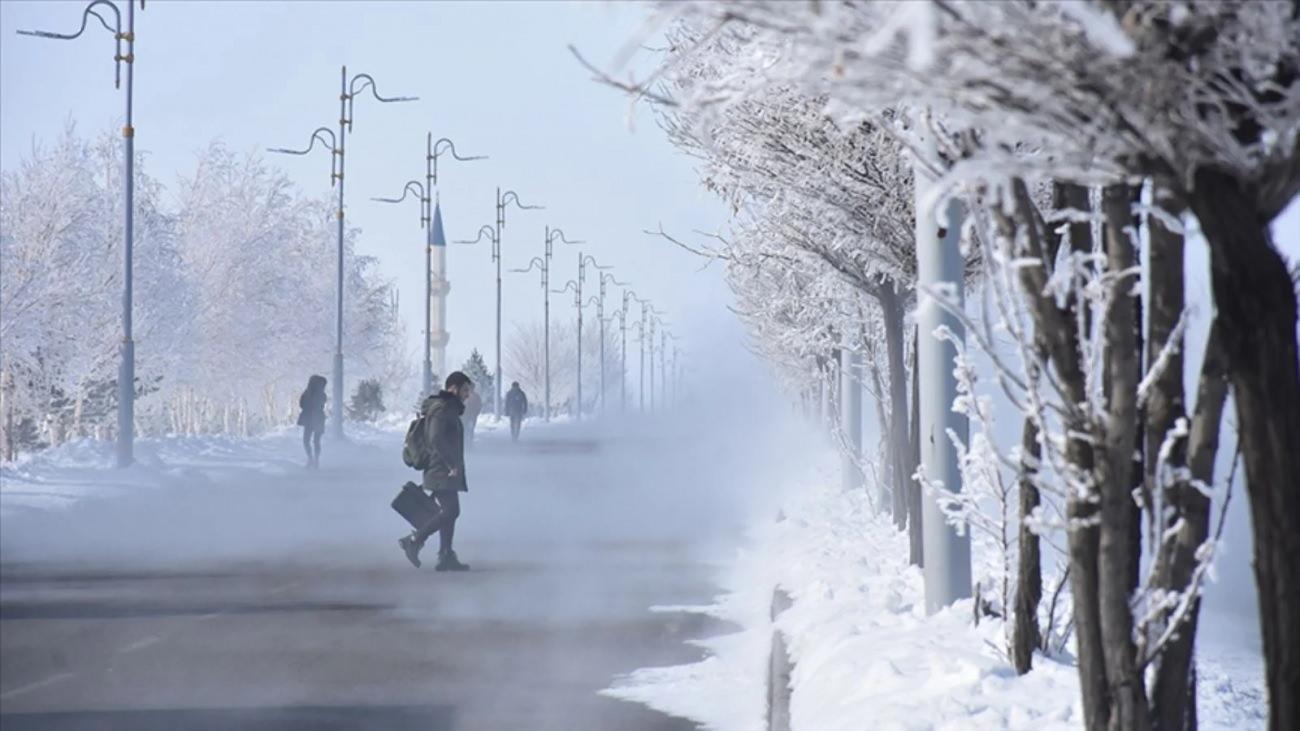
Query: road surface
{"type": "Point", "coordinates": [254, 598]}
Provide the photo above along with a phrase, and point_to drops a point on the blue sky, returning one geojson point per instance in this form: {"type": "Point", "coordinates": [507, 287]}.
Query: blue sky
{"type": "Point", "coordinates": [496, 77]}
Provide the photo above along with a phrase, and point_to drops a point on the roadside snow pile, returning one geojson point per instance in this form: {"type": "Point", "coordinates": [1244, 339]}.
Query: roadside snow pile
{"type": "Point", "coordinates": [865, 654]}
{"type": "Point", "coordinates": [61, 476]}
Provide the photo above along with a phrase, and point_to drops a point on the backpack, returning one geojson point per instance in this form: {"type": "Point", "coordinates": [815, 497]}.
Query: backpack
{"type": "Point", "coordinates": [415, 452]}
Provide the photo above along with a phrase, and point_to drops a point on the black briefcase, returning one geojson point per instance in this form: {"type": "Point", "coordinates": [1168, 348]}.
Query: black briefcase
{"type": "Point", "coordinates": [415, 505]}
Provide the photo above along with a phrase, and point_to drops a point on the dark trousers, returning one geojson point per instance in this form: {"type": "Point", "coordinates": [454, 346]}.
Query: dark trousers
{"type": "Point", "coordinates": [444, 523]}
{"type": "Point", "coordinates": [311, 440]}
{"type": "Point", "coordinates": [516, 423]}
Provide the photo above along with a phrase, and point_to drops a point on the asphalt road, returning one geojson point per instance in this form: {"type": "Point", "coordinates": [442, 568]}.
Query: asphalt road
{"type": "Point", "coordinates": [242, 597]}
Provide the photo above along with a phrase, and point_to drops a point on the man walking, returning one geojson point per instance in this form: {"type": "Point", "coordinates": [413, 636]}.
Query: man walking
{"type": "Point", "coordinates": [444, 471]}
{"type": "Point", "coordinates": [516, 409]}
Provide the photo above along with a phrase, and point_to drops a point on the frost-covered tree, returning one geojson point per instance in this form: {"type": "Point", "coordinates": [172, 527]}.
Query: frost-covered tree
{"type": "Point", "coordinates": [1201, 97]}
{"type": "Point", "coordinates": [476, 368]}
{"type": "Point", "coordinates": [234, 295]}
{"type": "Point", "coordinates": [1199, 101]}
{"type": "Point", "coordinates": [525, 360]}
{"type": "Point", "coordinates": [61, 283]}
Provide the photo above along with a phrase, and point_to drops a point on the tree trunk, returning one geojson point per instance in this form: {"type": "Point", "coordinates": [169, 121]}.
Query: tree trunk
{"type": "Point", "coordinates": [1025, 635]}
{"type": "Point", "coordinates": [1114, 472]}
{"type": "Point", "coordinates": [1173, 702]}
{"type": "Point", "coordinates": [916, 540]}
{"type": "Point", "coordinates": [1256, 301]}
{"type": "Point", "coordinates": [1056, 326]}
{"type": "Point", "coordinates": [1183, 505]}
{"type": "Point", "coordinates": [891, 306]}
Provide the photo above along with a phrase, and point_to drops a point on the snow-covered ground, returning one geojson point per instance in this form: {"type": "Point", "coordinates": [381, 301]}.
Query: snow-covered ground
{"type": "Point", "coordinates": [865, 653]}
{"type": "Point", "coordinates": [64, 475]}
{"type": "Point", "coordinates": [867, 656]}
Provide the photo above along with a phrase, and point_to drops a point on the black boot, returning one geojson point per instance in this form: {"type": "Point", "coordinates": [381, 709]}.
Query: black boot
{"type": "Point", "coordinates": [448, 562]}
{"type": "Point", "coordinates": [411, 548]}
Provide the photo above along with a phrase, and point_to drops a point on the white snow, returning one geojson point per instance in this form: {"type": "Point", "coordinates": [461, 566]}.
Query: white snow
{"type": "Point", "coordinates": [61, 476]}
{"type": "Point", "coordinates": [867, 656]}
{"type": "Point", "coordinates": [863, 648]}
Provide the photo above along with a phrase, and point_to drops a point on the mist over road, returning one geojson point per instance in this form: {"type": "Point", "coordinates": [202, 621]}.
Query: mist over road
{"type": "Point", "coordinates": [250, 597]}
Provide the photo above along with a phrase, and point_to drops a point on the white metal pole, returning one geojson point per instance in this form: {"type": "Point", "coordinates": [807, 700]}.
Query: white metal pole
{"type": "Point", "coordinates": [336, 427]}
{"type": "Point", "coordinates": [939, 262]}
{"type": "Point", "coordinates": [126, 376]}
{"type": "Point", "coordinates": [851, 416]}
{"type": "Point", "coordinates": [546, 321]}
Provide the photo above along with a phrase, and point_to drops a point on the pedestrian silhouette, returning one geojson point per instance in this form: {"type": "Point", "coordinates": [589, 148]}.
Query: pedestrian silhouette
{"type": "Point", "coordinates": [312, 419]}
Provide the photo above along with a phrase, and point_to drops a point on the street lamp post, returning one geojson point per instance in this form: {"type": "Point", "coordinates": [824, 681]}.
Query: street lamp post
{"type": "Point", "coordinates": [621, 314]}
{"type": "Point", "coordinates": [600, 315]}
{"type": "Point", "coordinates": [664, 335]}
{"type": "Point", "coordinates": [502, 201]}
{"type": "Point", "coordinates": [126, 372]}
{"type": "Point", "coordinates": [583, 261]}
{"type": "Point", "coordinates": [640, 342]}
{"type": "Point", "coordinates": [425, 194]}
{"type": "Point", "coordinates": [422, 194]}
{"type": "Point", "coordinates": [348, 90]}
{"type": "Point", "coordinates": [628, 295]}
{"type": "Point", "coordinates": [544, 263]}
{"type": "Point", "coordinates": [651, 346]}
{"type": "Point", "coordinates": [576, 286]}
{"type": "Point", "coordinates": [432, 151]}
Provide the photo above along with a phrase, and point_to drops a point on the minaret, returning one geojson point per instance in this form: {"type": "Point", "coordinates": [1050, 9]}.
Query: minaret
{"type": "Point", "coordinates": [438, 290]}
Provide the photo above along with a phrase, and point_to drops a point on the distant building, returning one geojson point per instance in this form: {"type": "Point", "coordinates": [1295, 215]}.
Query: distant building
{"type": "Point", "coordinates": [438, 297]}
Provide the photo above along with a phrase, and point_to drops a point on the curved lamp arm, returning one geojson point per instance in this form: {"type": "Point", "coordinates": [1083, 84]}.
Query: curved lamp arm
{"type": "Point", "coordinates": [315, 137]}
{"type": "Point", "coordinates": [452, 147]}
{"type": "Point", "coordinates": [368, 82]}
{"type": "Point", "coordinates": [558, 235]}
{"type": "Point", "coordinates": [568, 286]}
{"type": "Point", "coordinates": [85, 20]}
{"type": "Point", "coordinates": [535, 263]}
{"type": "Point", "coordinates": [491, 236]}
{"type": "Point", "coordinates": [115, 29]}
{"type": "Point", "coordinates": [419, 193]}
{"type": "Point", "coordinates": [513, 197]}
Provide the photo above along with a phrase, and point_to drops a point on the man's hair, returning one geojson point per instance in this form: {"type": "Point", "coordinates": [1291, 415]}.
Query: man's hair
{"type": "Point", "coordinates": [457, 379]}
{"type": "Point", "coordinates": [515, 384]}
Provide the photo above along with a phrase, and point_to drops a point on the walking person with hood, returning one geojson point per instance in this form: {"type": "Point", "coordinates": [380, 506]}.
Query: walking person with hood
{"type": "Point", "coordinates": [442, 457]}
{"type": "Point", "coordinates": [516, 409]}
{"type": "Point", "coordinates": [312, 418]}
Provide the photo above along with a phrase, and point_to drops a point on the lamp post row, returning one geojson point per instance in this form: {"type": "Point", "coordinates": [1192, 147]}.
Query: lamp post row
{"type": "Point", "coordinates": [349, 88]}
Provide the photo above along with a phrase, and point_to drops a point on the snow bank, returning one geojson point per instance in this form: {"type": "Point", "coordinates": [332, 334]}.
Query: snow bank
{"type": "Point", "coordinates": [865, 653]}
{"type": "Point", "coordinates": [61, 476]}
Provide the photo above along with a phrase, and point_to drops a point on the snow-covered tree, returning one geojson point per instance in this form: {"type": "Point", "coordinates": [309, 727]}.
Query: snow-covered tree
{"type": "Point", "coordinates": [234, 295]}
{"type": "Point", "coordinates": [61, 268]}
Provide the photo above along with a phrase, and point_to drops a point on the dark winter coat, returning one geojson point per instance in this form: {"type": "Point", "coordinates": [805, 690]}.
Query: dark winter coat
{"type": "Point", "coordinates": [516, 403]}
{"type": "Point", "coordinates": [312, 403]}
{"type": "Point", "coordinates": [446, 442]}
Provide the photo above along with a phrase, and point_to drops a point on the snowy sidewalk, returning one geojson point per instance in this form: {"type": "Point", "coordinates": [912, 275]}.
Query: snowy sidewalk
{"type": "Point", "coordinates": [866, 655]}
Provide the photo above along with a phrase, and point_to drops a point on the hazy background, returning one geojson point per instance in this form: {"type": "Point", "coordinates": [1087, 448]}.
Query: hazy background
{"type": "Point", "coordinates": [496, 77]}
